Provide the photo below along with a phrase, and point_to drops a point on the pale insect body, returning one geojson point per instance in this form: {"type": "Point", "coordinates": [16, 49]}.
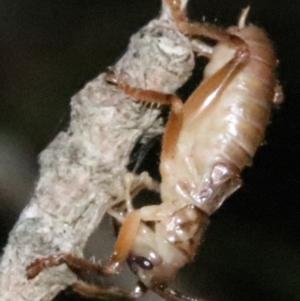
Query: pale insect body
{"type": "Point", "coordinates": [219, 136]}
{"type": "Point", "coordinates": [207, 142]}
{"type": "Point", "coordinates": [219, 133]}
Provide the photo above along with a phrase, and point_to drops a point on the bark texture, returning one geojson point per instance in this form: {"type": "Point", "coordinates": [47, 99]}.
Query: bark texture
{"type": "Point", "coordinates": [82, 170]}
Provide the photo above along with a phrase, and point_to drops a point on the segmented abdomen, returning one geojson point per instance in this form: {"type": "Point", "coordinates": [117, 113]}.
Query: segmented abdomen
{"type": "Point", "coordinates": [247, 100]}
{"type": "Point", "coordinates": [215, 144]}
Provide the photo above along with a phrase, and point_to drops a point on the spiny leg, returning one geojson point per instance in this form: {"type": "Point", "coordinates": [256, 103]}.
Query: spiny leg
{"type": "Point", "coordinates": [121, 251]}
{"type": "Point", "coordinates": [76, 264]}
{"type": "Point", "coordinates": [206, 30]}
{"type": "Point", "coordinates": [210, 31]}
{"type": "Point", "coordinates": [149, 96]}
{"type": "Point", "coordinates": [122, 248]}
{"type": "Point", "coordinates": [174, 123]}
{"type": "Point", "coordinates": [193, 28]}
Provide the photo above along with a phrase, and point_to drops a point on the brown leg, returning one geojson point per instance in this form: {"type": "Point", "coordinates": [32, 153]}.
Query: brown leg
{"type": "Point", "coordinates": [193, 28]}
{"type": "Point", "coordinates": [174, 123]}
{"type": "Point", "coordinates": [207, 95]}
{"type": "Point", "coordinates": [111, 293]}
{"type": "Point", "coordinates": [205, 30]}
{"type": "Point", "coordinates": [123, 245]}
{"type": "Point", "coordinates": [124, 242]}
{"type": "Point", "coordinates": [203, 99]}
{"type": "Point", "coordinates": [149, 96]}
{"type": "Point", "coordinates": [210, 31]}
{"type": "Point", "coordinates": [73, 262]}
{"type": "Point", "coordinates": [172, 130]}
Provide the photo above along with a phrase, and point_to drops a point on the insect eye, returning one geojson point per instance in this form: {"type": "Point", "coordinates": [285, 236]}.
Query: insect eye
{"type": "Point", "coordinates": [136, 262]}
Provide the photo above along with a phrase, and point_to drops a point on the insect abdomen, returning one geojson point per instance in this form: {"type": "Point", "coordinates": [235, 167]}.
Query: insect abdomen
{"type": "Point", "coordinates": [247, 100]}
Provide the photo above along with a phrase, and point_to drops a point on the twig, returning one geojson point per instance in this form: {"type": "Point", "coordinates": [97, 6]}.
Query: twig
{"type": "Point", "coordinates": [81, 171]}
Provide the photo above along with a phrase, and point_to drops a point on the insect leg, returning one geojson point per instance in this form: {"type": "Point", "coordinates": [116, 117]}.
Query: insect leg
{"type": "Point", "coordinates": [124, 242]}
{"type": "Point", "coordinates": [169, 294]}
{"type": "Point", "coordinates": [207, 95]}
{"type": "Point", "coordinates": [206, 30]}
{"type": "Point", "coordinates": [174, 123]}
{"type": "Point", "coordinates": [131, 223]}
{"type": "Point", "coordinates": [74, 263]}
{"type": "Point", "coordinates": [78, 264]}
{"type": "Point", "coordinates": [193, 28]}
{"type": "Point", "coordinates": [149, 96]}
{"type": "Point", "coordinates": [201, 103]}
{"type": "Point", "coordinates": [111, 293]}
{"type": "Point", "coordinates": [121, 251]}
{"type": "Point", "coordinates": [133, 185]}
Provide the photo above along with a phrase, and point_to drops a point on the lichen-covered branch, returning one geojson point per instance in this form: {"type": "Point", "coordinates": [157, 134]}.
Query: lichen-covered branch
{"type": "Point", "coordinates": [81, 171]}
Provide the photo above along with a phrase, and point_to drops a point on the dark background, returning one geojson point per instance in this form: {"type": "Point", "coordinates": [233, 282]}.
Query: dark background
{"type": "Point", "coordinates": [50, 49]}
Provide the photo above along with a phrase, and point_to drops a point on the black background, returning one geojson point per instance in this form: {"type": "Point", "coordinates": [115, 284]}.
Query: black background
{"type": "Point", "coordinates": [50, 49]}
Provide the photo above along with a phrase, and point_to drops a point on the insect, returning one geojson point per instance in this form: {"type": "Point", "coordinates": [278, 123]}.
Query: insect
{"type": "Point", "coordinates": [208, 141]}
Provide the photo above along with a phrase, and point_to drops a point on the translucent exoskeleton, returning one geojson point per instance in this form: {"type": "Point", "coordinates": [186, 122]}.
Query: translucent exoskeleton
{"type": "Point", "coordinates": [208, 141]}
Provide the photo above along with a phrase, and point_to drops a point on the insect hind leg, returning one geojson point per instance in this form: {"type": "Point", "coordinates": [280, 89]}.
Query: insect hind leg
{"type": "Point", "coordinates": [75, 263]}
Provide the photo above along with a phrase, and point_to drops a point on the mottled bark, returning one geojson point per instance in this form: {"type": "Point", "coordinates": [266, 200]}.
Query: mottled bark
{"type": "Point", "coordinates": [82, 170]}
